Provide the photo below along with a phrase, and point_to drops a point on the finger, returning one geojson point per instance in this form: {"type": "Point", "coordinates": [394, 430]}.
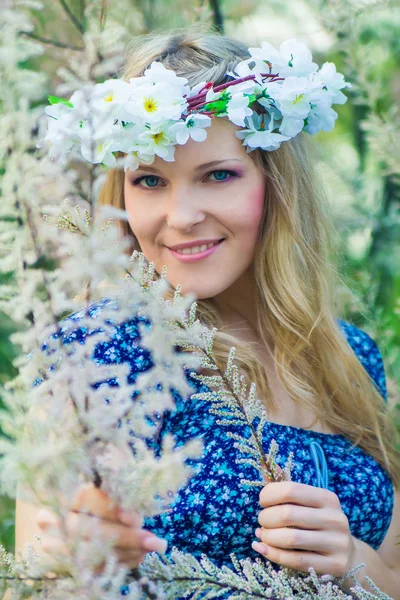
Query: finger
{"type": "Point", "coordinates": [267, 469]}
{"type": "Point", "coordinates": [131, 558]}
{"type": "Point", "coordinates": [96, 502]}
{"type": "Point", "coordinates": [154, 544]}
{"type": "Point", "coordinates": [302, 539]}
{"type": "Point", "coordinates": [133, 519]}
{"type": "Point", "coordinates": [93, 500]}
{"type": "Point", "coordinates": [124, 537]}
{"type": "Point", "coordinates": [289, 492]}
{"type": "Point", "coordinates": [46, 518]}
{"type": "Point", "coordinates": [302, 561]}
{"type": "Point", "coordinates": [302, 517]}
{"type": "Point", "coordinates": [54, 547]}
{"type": "Point", "coordinates": [81, 526]}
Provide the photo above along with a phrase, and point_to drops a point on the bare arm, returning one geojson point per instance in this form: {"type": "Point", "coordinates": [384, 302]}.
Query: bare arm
{"type": "Point", "coordinates": [26, 527]}
{"type": "Point", "coordinates": [383, 565]}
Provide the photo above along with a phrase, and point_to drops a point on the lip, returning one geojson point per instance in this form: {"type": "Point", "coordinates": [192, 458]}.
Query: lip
{"type": "Point", "coordinates": [195, 243]}
{"type": "Point", "coordinates": [188, 258]}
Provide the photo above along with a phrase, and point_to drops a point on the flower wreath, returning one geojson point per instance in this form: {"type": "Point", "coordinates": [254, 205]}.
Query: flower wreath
{"type": "Point", "coordinates": [149, 115]}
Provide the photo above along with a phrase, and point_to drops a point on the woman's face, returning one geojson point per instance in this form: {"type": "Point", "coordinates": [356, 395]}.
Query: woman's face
{"type": "Point", "coordinates": [190, 200]}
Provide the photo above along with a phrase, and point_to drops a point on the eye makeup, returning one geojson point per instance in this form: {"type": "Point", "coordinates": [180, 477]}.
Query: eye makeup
{"type": "Point", "coordinates": [232, 175]}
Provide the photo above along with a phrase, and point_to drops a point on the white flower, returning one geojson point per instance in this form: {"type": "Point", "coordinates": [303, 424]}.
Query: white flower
{"type": "Point", "coordinates": [125, 137]}
{"type": "Point", "coordinates": [298, 59]}
{"type": "Point", "coordinates": [154, 103]}
{"type": "Point", "coordinates": [157, 73]}
{"type": "Point", "coordinates": [196, 89]}
{"type": "Point", "coordinates": [270, 91]}
{"type": "Point", "coordinates": [256, 136]}
{"type": "Point", "coordinates": [193, 127]}
{"type": "Point", "coordinates": [97, 140]}
{"type": "Point", "coordinates": [333, 81]}
{"type": "Point", "coordinates": [56, 111]}
{"type": "Point", "coordinates": [290, 126]}
{"type": "Point", "coordinates": [98, 152]}
{"type": "Point", "coordinates": [133, 159]}
{"type": "Point", "coordinates": [293, 58]}
{"type": "Point", "coordinates": [62, 131]}
{"type": "Point", "coordinates": [68, 124]}
{"type": "Point", "coordinates": [250, 66]}
{"type": "Point", "coordinates": [244, 87]}
{"type": "Point", "coordinates": [97, 128]}
{"type": "Point", "coordinates": [322, 117]}
{"type": "Point", "coordinates": [238, 109]}
{"type": "Point", "coordinates": [247, 87]}
{"type": "Point", "coordinates": [109, 96]}
{"type": "Point", "coordinates": [58, 139]}
{"type": "Point", "coordinates": [267, 59]}
{"type": "Point", "coordinates": [158, 140]}
{"type": "Point", "coordinates": [292, 97]}
{"type": "Point", "coordinates": [81, 102]}
{"type": "Point", "coordinates": [211, 95]}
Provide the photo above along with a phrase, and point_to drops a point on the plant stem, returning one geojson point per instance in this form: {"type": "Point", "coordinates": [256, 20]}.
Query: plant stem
{"type": "Point", "coordinates": [28, 578]}
{"type": "Point", "coordinates": [230, 588]}
{"type": "Point", "coordinates": [217, 14]}
{"type": "Point", "coordinates": [56, 43]}
{"type": "Point", "coordinates": [72, 17]}
{"type": "Point", "coordinates": [224, 86]}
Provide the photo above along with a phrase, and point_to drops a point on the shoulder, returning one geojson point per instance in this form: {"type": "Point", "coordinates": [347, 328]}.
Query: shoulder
{"type": "Point", "coordinates": [368, 353]}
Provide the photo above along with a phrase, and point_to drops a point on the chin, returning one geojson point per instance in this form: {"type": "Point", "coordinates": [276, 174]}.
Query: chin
{"type": "Point", "coordinates": [200, 290]}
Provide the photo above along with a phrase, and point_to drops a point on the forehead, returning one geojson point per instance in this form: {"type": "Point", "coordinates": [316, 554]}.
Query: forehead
{"type": "Point", "coordinates": [221, 143]}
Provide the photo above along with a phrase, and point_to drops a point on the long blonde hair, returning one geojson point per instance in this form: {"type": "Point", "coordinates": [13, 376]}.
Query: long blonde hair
{"type": "Point", "coordinates": [295, 275]}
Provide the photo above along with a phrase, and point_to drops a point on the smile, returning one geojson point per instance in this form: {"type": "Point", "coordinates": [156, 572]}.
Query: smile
{"type": "Point", "coordinates": [196, 252]}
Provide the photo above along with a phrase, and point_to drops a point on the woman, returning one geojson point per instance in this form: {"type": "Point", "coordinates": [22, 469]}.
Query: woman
{"type": "Point", "coordinates": [268, 287]}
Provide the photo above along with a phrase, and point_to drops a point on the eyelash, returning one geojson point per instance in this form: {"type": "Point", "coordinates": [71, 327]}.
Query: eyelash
{"type": "Point", "coordinates": [232, 174]}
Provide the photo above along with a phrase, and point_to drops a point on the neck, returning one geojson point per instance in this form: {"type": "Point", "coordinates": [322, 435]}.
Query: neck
{"type": "Point", "coordinates": [237, 304]}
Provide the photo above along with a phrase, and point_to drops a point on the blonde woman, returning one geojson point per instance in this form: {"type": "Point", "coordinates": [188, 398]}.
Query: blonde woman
{"type": "Point", "coordinates": [250, 235]}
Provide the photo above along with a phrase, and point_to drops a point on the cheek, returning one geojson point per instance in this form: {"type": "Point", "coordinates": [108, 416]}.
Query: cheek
{"type": "Point", "coordinates": [257, 202]}
{"type": "Point", "coordinates": [139, 218]}
{"type": "Point", "coordinates": [250, 212]}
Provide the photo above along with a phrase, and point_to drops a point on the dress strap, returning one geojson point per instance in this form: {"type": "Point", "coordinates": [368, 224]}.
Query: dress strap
{"type": "Point", "coordinates": [321, 467]}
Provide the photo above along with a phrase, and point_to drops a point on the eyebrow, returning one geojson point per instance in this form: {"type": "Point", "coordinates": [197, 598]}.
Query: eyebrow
{"type": "Point", "coordinates": [212, 163]}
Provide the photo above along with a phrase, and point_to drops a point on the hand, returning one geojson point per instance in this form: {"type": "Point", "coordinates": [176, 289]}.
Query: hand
{"type": "Point", "coordinates": [303, 526]}
{"type": "Point", "coordinates": [131, 544]}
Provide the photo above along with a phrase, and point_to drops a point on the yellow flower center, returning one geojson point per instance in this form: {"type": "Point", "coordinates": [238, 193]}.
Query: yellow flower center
{"type": "Point", "coordinates": [150, 105]}
{"type": "Point", "coordinates": [158, 137]}
{"type": "Point", "coordinates": [298, 99]}
{"type": "Point", "coordinates": [109, 98]}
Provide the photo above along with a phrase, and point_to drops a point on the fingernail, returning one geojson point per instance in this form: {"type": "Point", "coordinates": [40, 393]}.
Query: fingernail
{"type": "Point", "coordinates": [155, 544]}
{"type": "Point", "coordinates": [261, 548]}
{"type": "Point", "coordinates": [258, 532]}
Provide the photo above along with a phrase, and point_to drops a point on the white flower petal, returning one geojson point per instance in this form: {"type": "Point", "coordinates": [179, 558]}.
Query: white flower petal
{"type": "Point", "coordinates": [197, 134]}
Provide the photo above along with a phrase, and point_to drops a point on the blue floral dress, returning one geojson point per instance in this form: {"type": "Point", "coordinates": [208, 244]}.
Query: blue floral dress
{"type": "Point", "coordinates": [214, 513]}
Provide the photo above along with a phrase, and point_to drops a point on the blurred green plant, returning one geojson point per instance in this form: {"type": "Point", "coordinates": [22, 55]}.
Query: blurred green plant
{"type": "Point", "coordinates": [7, 354]}
{"type": "Point", "coordinates": [367, 51]}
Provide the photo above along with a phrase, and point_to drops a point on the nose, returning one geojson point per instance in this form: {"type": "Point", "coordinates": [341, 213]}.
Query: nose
{"type": "Point", "coordinates": [183, 209]}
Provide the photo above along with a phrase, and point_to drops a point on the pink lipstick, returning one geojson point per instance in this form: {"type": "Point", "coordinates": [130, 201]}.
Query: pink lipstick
{"type": "Point", "coordinates": [188, 258]}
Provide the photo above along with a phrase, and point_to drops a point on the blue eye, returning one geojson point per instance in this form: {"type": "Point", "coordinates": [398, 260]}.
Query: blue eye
{"type": "Point", "coordinates": [224, 174]}
{"type": "Point", "coordinates": [151, 177]}
{"type": "Point", "coordinates": [153, 180]}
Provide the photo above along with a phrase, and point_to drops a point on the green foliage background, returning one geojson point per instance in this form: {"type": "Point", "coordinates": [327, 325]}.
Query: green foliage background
{"type": "Point", "coordinates": [359, 161]}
